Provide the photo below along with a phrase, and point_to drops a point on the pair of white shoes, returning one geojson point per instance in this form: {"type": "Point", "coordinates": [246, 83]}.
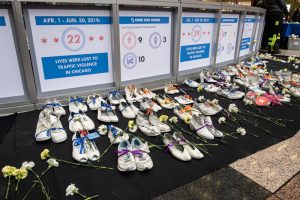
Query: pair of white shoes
{"type": "Point", "coordinates": [209, 107]}
{"type": "Point", "coordinates": [151, 125]}
{"type": "Point", "coordinates": [231, 93]}
{"type": "Point", "coordinates": [54, 107]}
{"type": "Point", "coordinates": [128, 111]}
{"type": "Point", "coordinates": [132, 94]}
{"type": "Point", "coordinates": [149, 104]}
{"type": "Point", "coordinates": [180, 148]}
{"type": "Point", "coordinates": [95, 101]}
{"type": "Point", "coordinates": [203, 126]}
{"type": "Point", "coordinates": [115, 98]}
{"type": "Point", "coordinates": [84, 149]}
{"type": "Point", "coordinates": [211, 88]}
{"type": "Point", "coordinates": [80, 122]}
{"type": "Point", "coordinates": [191, 83]}
{"type": "Point", "coordinates": [134, 155]}
{"type": "Point", "coordinates": [49, 127]}
{"type": "Point", "coordinates": [183, 113]}
{"type": "Point", "coordinates": [146, 93]}
{"type": "Point", "coordinates": [77, 104]}
{"type": "Point", "coordinates": [106, 113]}
{"type": "Point", "coordinates": [166, 102]}
{"type": "Point", "coordinates": [171, 89]}
{"type": "Point", "coordinates": [184, 99]}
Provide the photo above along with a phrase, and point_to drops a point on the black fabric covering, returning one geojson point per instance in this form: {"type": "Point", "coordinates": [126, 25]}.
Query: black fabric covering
{"type": "Point", "coordinates": [167, 173]}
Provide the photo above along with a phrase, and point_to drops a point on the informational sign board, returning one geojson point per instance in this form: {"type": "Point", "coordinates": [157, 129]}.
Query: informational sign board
{"type": "Point", "coordinates": [196, 40]}
{"type": "Point", "coordinates": [145, 44]}
{"type": "Point", "coordinates": [10, 76]}
{"type": "Point", "coordinates": [72, 48]}
{"type": "Point", "coordinates": [227, 37]}
{"type": "Point", "coordinates": [256, 38]}
{"type": "Point", "coordinates": [247, 39]}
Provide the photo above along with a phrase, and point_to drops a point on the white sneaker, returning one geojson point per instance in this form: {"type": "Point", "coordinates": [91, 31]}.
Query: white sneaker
{"type": "Point", "coordinates": [163, 128]}
{"type": "Point", "coordinates": [73, 108]}
{"type": "Point", "coordinates": [165, 102]}
{"type": "Point", "coordinates": [184, 99]}
{"type": "Point", "coordinates": [102, 115]}
{"type": "Point", "coordinates": [197, 124]}
{"type": "Point", "coordinates": [181, 113]}
{"type": "Point", "coordinates": [42, 128]}
{"type": "Point", "coordinates": [91, 150]}
{"type": "Point", "coordinates": [177, 150]}
{"type": "Point", "coordinates": [126, 160]}
{"type": "Point", "coordinates": [86, 122]}
{"type": "Point", "coordinates": [94, 101]}
{"type": "Point", "coordinates": [145, 126]}
{"type": "Point", "coordinates": [126, 110]}
{"type": "Point", "coordinates": [146, 93]}
{"type": "Point", "coordinates": [81, 105]}
{"type": "Point", "coordinates": [112, 115]}
{"type": "Point", "coordinates": [58, 133]}
{"type": "Point", "coordinates": [171, 89]}
{"type": "Point", "coordinates": [191, 83]}
{"type": "Point", "coordinates": [58, 110]}
{"type": "Point", "coordinates": [116, 135]}
{"type": "Point", "coordinates": [140, 152]}
{"type": "Point", "coordinates": [115, 98]}
{"type": "Point", "coordinates": [75, 124]}
{"type": "Point", "coordinates": [131, 94]}
{"type": "Point", "coordinates": [190, 148]}
{"type": "Point", "coordinates": [150, 104]}
{"type": "Point", "coordinates": [211, 128]}
{"type": "Point", "coordinates": [231, 93]}
{"type": "Point", "coordinates": [207, 108]}
{"type": "Point", "coordinates": [211, 88]}
{"type": "Point", "coordinates": [78, 152]}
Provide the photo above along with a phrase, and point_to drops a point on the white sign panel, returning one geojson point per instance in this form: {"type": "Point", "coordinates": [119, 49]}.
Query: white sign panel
{"type": "Point", "coordinates": [247, 39]}
{"type": "Point", "coordinates": [227, 37]}
{"type": "Point", "coordinates": [72, 48]}
{"type": "Point", "coordinates": [145, 44]}
{"type": "Point", "coordinates": [196, 40]}
{"type": "Point", "coordinates": [11, 81]}
{"type": "Point", "coordinates": [256, 33]}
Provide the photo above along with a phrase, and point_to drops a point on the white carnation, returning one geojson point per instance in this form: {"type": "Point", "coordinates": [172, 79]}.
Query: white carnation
{"type": "Point", "coordinates": [241, 131]}
{"type": "Point", "coordinates": [71, 190]}
{"type": "Point", "coordinates": [52, 162]}
{"type": "Point", "coordinates": [28, 165]}
{"type": "Point", "coordinates": [221, 120]}
{"type": "Point", "coordinates": [233, 108]}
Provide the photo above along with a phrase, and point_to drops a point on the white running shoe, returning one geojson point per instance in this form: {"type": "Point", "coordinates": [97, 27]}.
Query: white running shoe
{"type": "Point", "coordinates": [182, 113]}
{"type": "Point", "coordinates": [73, 108]}
{"type": "Point", "coordinates": [115, 98]}
{"type": "Point", "coordinates": [58, 133]}
{"type": "Point", "coordinates": [191, 83]}
{"type": "Point", "coordinates": [116, 135]}
{"type": "Point", "coordinates": [42, 132]}
{"type": "Point", "coordinates": [171, 89]}
{"type": "Point", "coordinates": [58, 110]}
{"type": "Point", "coordinates": [190, 148]}
{"type": "Point", "coordinates": [81, 105]}
{"type": "Point", "coordinates": [126, 110]}
{"type": "Point", "coordinates": [140, 152]}
{"type": "Point", "coordinates": [91, 150]}
{"type": "Point", "coordinates": [146, 93]}
{"type": "Point", "coordinates": [126, 160]}
{"type": "Point", "coordinates": [184, 99]}
{"type": "Point", "coordinates": [211, 128]}
{"type": "Point", "coordinates": [75, 124]}
{"type": "Point", "coordinates": [197, 124]}
{"type": "Point", "coordinates": [177, 150]}
{"type": "Point", "coordinates": [131, 94]}
{"type": "Point", "coordinates": [165, 102]}
{"type": "Point", "coordinates": [94, 101]}
{"type": "Point", "coordinates": [78, 152]}
{"type": "Point", "coordinates": [145, 126]}
{"type": "Point", "coordinates": [163, 128]}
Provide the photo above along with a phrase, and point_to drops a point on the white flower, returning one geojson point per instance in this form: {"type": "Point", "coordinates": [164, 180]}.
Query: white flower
{"type": "Point", "coordinates": [28, 165]}
{"type": "Point", "coordinates": [296, 66]}
{"type": "Point", "coordinates": [215, 101]}
{"type": "Point", "coordinates": [248, 102]}
{"type": "Point", "coordinates": [221, 120]}
{"type": "Point", "coordinates": [102, 129]}
{"type": "Point", "coordinates": [233, 108]}
{"type": "Point", "coordinates": [241, 130]}
{"type": "Point", "coordinates": [52, 162]}
{"type": "Point", "coordinates": [201, 98]}
{"type": "Point", "coordinates": [71, 190]}
{"type": "Point", "coordinates": [173, 119]}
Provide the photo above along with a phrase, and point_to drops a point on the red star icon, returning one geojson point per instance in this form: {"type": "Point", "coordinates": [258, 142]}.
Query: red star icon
{"type": "Point", "coordinates": [101, 37]}
{"type": "Point", "coordinates": [189, 33]}
{"type": "Point", "coordinates": [56, 40]}
{"type": "Point", "coordinates": [44, 40]}
{"type": "Point", "coordinates": [91, 38]}
{"type": "Point", "coordinates": [208, 33]}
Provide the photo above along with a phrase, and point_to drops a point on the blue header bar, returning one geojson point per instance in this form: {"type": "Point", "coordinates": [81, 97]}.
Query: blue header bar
{"type": "Point", "coordinates": [2, 21]}
{"type": "Point", "coordinates": [187, 20]}
{"type": "Point", "coordinates": [72, 20]}
{"type": "Point", "coordinates": [143, 20]}
{"type": "Point", "coordinates": [229, 20]}
{"type": "Point", "coordinates": [250, 20]}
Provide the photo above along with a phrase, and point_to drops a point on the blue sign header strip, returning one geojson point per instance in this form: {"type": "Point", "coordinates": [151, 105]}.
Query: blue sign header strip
{"type": "Point", "coordinates": [229, 20]}
{"type": "Point", "coordinates": [143, 20]}
{"type": "Point", "coordinates": [250, 20]}
{"type": "Point", "coordinates": [72, 20]}
{"type": "Point", "coordinates": [187, 20]}
{"type": "Point", "coordinates": [2, 21]}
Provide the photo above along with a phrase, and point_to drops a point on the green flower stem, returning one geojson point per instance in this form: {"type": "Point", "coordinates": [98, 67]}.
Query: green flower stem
{"type": "Point", "coordinates": [81, 195]}
{"type": "Point", "coordinates": [8, 185]}
{"type": "Point", "coordinates": [17, 186]}
{"type": "Point", "coordinates": [82, 165]}
{"type": "Point", "coordinates": [93, 197]}
{"type": "Point", "coordinates": [154, 145]}
{"type": "Point", "coordinates": [265, 118]}
{"type": "Point", "coordinates": [105, 151]}
{"type": "Point", "coordinates": [42, 185]}
{"type": "Point", "coordinates": [33, 185]}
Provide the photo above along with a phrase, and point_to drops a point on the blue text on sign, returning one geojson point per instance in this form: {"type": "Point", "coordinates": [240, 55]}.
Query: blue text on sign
{"type": "Point", "coordinates": [245, 44]}
{"type": "Point", "coordinates": [229, 20]}
{"type": "Point", "coordinates": [74, 65]}
{"type": "Point", "coordinates": [2, 21]}
{"type": "Point", "coordinates": [187, 20]}
{"type": "Point", "coordinates": [72, 20]}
